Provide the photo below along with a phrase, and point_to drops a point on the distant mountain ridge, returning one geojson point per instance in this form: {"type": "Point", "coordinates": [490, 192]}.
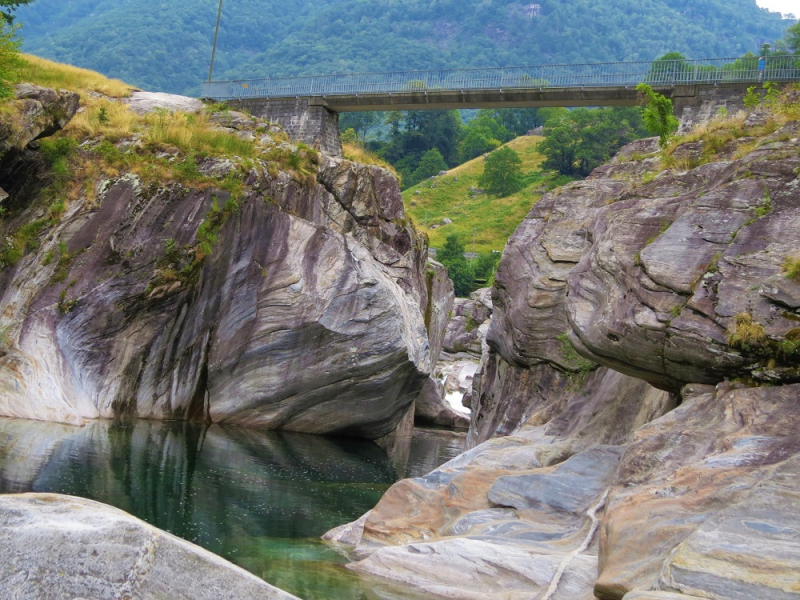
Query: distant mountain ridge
{"type": "Point", "coordinates": [166, 45]}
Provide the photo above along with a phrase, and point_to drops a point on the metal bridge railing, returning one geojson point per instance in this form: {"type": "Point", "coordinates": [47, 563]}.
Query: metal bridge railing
{"type": "Point", "coordinates": [659, 73]}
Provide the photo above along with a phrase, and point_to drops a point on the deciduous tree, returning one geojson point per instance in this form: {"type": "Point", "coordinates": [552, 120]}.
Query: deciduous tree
{"type": "Point", "coordinates": [502, 174]}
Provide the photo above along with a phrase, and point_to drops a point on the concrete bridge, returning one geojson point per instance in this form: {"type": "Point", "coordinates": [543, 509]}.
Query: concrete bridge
{"type": "Point", "coordinates": [308, 107]}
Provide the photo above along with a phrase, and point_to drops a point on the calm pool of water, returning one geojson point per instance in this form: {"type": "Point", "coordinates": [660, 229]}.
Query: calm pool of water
{"type": "Point", "coordinates": [260, 499]}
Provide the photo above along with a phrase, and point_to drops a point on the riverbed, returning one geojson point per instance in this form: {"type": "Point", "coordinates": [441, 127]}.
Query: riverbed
{"type": "Point", "coordinates": [260, 499]}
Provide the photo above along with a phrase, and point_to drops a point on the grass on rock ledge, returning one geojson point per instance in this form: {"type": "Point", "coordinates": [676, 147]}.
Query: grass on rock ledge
{"type": "Point", "coordinates": [107, 139]}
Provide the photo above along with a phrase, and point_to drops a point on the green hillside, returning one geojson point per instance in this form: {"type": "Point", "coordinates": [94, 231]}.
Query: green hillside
{"type": "Point", "coordinates": [487, 220]}
{"type": "Point", "coordinates": [165, 45]}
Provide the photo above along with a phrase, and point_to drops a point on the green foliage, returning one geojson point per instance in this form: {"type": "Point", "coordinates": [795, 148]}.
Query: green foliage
{"type": "Point", "coordinates": [10, 61]}
{"type": "Point", "coordinates": [360, 122]}
{"type": "Point", "coordinates": [658, 117]}
{"type": "Point", "coordinates": [349, 136]}
{"type": "Point", "coordinates": [793, 38]}
{"type": "Point", "coordinates": [486, 265]}
{"type": "Point", "coordinates": [451, 255]}
{"type": "Point", "coordinates": [431, 163]}
{"type": "Point", "coordinates": [579, 141]}
{"type": "Point", "coordinates": [766, 206]}
{"type": "Point", "coordinates": [7, 8]}
{"type": "Point", "coordinates": [483, 134]}
{"type": "Point", "coordinates": [413, 134]}
{"type": "Point", "coordinates": [502, 175]}
{"type": "Point", "coordinates": [170, 40]}
{"type": "Point", "coordinates": [573, 360]}
{"type": "Point", "coordinates": [483, 221]}
{"type": "Point", "coordinates": [769, 98]}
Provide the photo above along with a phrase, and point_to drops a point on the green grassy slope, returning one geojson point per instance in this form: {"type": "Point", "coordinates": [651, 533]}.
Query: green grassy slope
{"type": "Point", "coordinates": [486, 219]}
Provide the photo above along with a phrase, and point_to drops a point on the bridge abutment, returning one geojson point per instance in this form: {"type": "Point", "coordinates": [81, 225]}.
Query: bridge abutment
{"type": "Point", "coordinates": [704, 103]}
{"type": "Point", "coordinates": [304, 122]}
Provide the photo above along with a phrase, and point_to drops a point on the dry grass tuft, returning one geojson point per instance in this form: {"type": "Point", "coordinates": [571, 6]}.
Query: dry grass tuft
{"type": "Point", "coordinates": [103, 118]}
{"type": "Point", "coordinates": [60, 76]}
{"type": "Point", "coordinates": [791, 268]}
{"type": "Point", "coordinates": [746, 334]}
{"type": "Point", "coordinates": [358, 154]}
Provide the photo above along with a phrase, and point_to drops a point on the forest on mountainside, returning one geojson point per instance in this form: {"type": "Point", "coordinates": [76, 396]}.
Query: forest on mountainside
{"type": "Point", "coordinates": [166, 46]}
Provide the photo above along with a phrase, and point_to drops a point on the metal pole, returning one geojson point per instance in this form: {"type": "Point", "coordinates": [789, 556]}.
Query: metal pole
{"type": "Point", "coordinates": [214, 50]}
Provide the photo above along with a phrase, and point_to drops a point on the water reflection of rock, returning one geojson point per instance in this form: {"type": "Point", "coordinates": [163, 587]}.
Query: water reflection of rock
{"type": "Point", "coordinates": [258, 498]}
{"type": "Point", "coordinates": [203, 484]}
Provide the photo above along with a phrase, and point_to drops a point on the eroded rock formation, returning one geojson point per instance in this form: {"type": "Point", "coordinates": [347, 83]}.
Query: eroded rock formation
{"type": "Point", "coordinates": [672, 267]}
{"type": "Point", "coordinates": [297, 304]}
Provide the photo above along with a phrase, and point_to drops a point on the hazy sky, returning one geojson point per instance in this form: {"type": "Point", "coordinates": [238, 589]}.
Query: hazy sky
{"type": "Point", "coordinates": [782, 6]}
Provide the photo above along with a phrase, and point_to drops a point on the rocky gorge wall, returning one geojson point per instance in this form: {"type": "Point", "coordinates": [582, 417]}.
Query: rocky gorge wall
{"type": "Point", "coordinates": [632, 426]}
{"type": "Point", "coordinates": [271, 293]}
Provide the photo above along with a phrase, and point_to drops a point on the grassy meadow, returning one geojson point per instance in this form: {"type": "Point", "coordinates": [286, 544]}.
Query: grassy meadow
{"type": "Point", "coordinates": [487, 219]}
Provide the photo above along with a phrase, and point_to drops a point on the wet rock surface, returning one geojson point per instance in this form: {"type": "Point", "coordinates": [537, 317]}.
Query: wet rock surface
{"type": "Point", "coordinates": [64, 547]}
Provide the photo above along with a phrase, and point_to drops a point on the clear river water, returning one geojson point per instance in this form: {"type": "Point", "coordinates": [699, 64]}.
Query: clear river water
{"type": "Point", "coordinates": [260, 499]}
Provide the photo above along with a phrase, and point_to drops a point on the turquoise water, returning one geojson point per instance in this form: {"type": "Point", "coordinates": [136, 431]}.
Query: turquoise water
{"type": "Point", "coordinates": [260, 499]}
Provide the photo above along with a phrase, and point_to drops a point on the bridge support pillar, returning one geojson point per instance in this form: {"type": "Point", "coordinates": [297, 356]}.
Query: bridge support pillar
{"type": "Point", "coordinates": [704, 103]}
{"type": "Point", "coordinates": [316, 126]}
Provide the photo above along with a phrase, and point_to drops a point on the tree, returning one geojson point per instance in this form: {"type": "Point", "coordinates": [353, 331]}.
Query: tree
{"type": "Point", "coordinates": [430, 164]}
{"type": "Point", "coordinates": [360, 122]}
{"type": "Point", "coordinates": [349, 136]}
{"type": "Point", "coordinates": [502, 174]}
{"type": "Point", "coordinates": [658, 117]}
{"type": "Point", "coordinates": [793, 38]}
{"type": "Point", "coordinates": [451, 255]}
{"type": "Point", "coordinates": [576, 142]}
{"type": "Point", "coordinates": [486, 264]}
{"type": "Point", "coordinates": [7, 8]}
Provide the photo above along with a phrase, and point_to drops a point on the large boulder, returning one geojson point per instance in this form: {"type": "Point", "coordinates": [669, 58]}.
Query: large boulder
{"type": "Point", "coordinates": [36, 112]}
{"type": "Point", "coordinates": [63, 547]}
{"type": "Point", "coordinates": [467, 326]}
{"type": "Point", "coordinates": [684, 281]}
{"type": "Point", "coordinates": [297, 305]}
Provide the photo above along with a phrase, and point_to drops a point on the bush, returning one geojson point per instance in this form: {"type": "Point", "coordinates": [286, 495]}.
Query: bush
{"type": "Point", "coordinates": [451, 255]}
{"type": "Point", "coordinates": [658, 117]}
{"type": "Point", "coordinates": [502, 175]}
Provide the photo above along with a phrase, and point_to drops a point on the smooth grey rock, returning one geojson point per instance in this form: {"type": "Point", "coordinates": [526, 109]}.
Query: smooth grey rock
{"type": "Point", "coordinates": [705, 500]}
{"type": "Point", "coordinates": [432, 409]}
{"type": "Point", "coordinates": [63, 547]}
{"type": "Point", "coordinates": [471, 569]}
{"type": "Point", "coordinates": [731, 553]}
{"type": "Point", "coordinates": [674, 262]}
{"type": "Point", "coordinates": [637, 595]}
{"type": "Point", "coordinates": [147, 102]}
{"type": "Point", "coordinates": [572, 486]}
{"type": "Point", "coordinates": [464, 327]}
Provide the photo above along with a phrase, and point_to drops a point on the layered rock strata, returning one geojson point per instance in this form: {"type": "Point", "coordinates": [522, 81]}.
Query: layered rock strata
{"type": "Point", "coordinates": [298, 304]}
{"type": "Point", "coordinates": [675, 268]}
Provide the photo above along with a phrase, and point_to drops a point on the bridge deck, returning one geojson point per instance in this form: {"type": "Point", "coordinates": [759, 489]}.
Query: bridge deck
{"type": "Point", "coordinates": [548, 85]}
